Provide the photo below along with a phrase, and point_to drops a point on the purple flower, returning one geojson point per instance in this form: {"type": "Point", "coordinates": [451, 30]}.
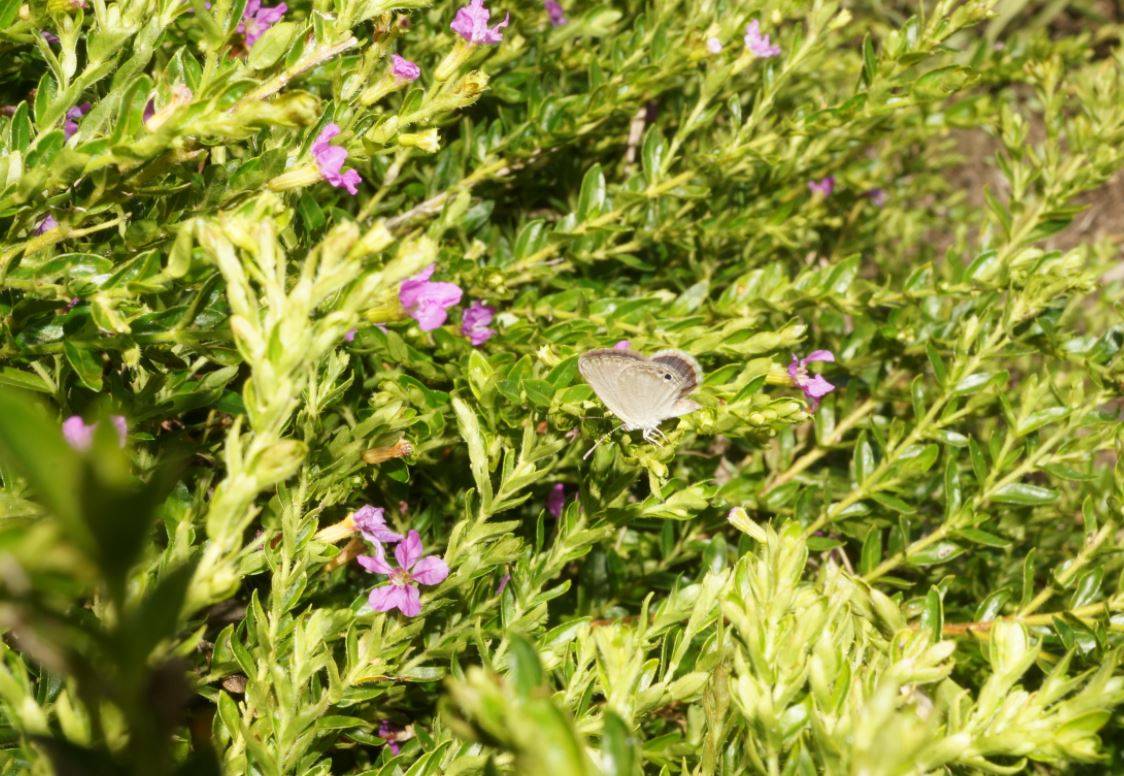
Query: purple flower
{"type": "Point", "coordinates": [402, 592]}
{"type": "Point", "coordinates": [555, 12]}
{"type": "Point", "coordinates": [759, 45]}
{"type": "Point", "coordinates": [50, 37]}
{"type": "Point", "coordinates": [47, 224]}
{"type": "Point", "coordinates": [813, 386]}
{"type": "Point", "coordinates": [877, 197]}
{"type": "Point", "coordinates": [256, 20]}
{"type": "Point", "coordinates": [371, 523]}
{"type": "Point", "coordinates": [149, 110]}
{"type": "Point", "coordinates": [330, 158]}
{"type": "Point", "coordinates": [556, 501]}
{"type": "Point", "coordinates": [713, 45]}
{"type": "Point", "coordinates": [389, 733]}
{"type": "Point", "coordinates": [623, 345]}
{"type": "Point", "coordinates": [349, 335]}
{"type": "Point", "coordinates": [822, 187]}
{"type": "Point", "coordinates": [474, 323]}
{"type": "Point", "coordinates": [80, 435]}
{"type": "Point", "coordinates": [404, 69]}
{"type": "Point", "coordinates": [122, 427]}
{"type": "Point", "coordinates": [427, 302]}
{"type": "Point", "coordinates": [70, 126]}
{"type": "Point", "coordinates": [503, 583]}
{"type": "Point", "coordinates": [471, 23]}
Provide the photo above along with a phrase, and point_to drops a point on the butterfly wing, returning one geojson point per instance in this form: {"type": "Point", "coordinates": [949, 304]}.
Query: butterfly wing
{"type": "Point", "coordinates": [683, 367]}
{"type": "Point", "coordinates": [603, 370]}
{"type": "Point", "coordinates": [638, 390]}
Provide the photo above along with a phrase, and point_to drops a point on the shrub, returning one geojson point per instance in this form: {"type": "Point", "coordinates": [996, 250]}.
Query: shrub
{"type": "Point", "coordinates": [293, 300]}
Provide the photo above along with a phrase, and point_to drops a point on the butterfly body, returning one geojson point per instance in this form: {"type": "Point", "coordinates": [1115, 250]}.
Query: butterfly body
{"type": "Point", "coordinates": [642, 391]}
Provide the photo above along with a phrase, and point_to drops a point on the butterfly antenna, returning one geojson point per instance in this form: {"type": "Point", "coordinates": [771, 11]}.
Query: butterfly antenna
{"type": "Point", "coordinates": [597, 444]}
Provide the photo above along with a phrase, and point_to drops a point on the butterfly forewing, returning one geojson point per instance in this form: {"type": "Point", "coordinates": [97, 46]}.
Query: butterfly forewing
{"type": "Point", "coordinates": [602, 369]}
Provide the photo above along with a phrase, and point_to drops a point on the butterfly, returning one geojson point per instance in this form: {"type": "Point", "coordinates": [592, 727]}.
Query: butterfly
{"type": "Point", "coordinates": [642, 391]}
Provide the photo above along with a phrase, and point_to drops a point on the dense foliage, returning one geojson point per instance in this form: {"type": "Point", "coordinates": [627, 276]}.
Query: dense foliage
{"type": "Point", "coordinates": [261, 266]}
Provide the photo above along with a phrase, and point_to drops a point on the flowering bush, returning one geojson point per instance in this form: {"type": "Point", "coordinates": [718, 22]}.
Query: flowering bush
{"type": "Point", "coordinates": [292, 431]}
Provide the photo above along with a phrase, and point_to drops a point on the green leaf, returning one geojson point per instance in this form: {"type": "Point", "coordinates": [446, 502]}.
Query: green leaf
{"type": "Point", "coordinates": [157, 616]}
{"type": "Point", "coordinates": [85, 364]}
{"type": "Point", "coordinates": [983, 537]}
{"type": "Point", "coordinates": [940, 371]}
{"type": "Point", "coordinates": [271, 46]}
{"type": "Point", "coordinates": [15, 378]}
{"type": "Point", "coordinates": [870, 63]}
{"type": "Point", "coordinates": [8, 11]}
{"type": "Point", "coordinates": [618, 747]}
{"type": "Point", "coordinates": [524, 666]}
{"type": "Point", "coordinates": [1023, 494]}
{"type": "Point", "coordinates": [592, 195]}
{"type": "Point", "coordinates": [953, 496]}
{"type": "Point", "coordinates": [44, 95]}
{"type": "Point", "coordinates": [477, 451]}
{"type": "Point", "coordinates": [863, 459]}
{"type": "Point", "coordinates": [972, 383]}
{"type": "Point", "coordinates": [938, 552]}
{"type": "Point", "coordinates": [872, 551]}
{"type": "Point", "coordinates": [932, 616]}
{"type": "Point", "coordinates": [32, 445]}
{"type": "Point", "coordinates": [20, 128]}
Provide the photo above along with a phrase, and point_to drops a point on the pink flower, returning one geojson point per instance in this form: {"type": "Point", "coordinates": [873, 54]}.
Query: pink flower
{"type": "Point", "coordinates": [80, 435]}
{"type": "Point", "coordinates": [330, 158]}
{"type": "Point", "coordinates": [349, 335]}
{"type": "Point", "coordinates": [402, 592]}
{"type": "Point", "coordinates": [713, 45]}
{"type": "Point", "coordinates": [556, 501]}
{"type": "Point", "coordinates": [371, 523]}
{"type": "Point", "coordinates": [877, 197]}
{"type": "Point", "coordinates": [70, 126]}
{"type": "Point", "coordinates": [427, 302]}
{"type": "Point", "coordinates": [122, 427]}
{"type": "Point", "coordinates": [474, 323]}
{"type": "Point", "coordinates": [815, 387]}
{"type": "Point", "coordinates": [256, 20]}
{"type": "Point", "coordinates": [623, 345]}
{"type": "Point", "coordinates": [471, 23]}
{"type": "Point", "coordinates": [404, 69]}
{"type": "Point", "coordinates": [503, 583]}
{"type": "Point", "coordinates": [759, 45]}
{"type": "Point", "coordinates": [50, 37]}
{"type": "Point", "coordinates": [389, 733]}
{"type": "Point", "coordinates": [47, 224]}
{"type": "Point", "coordinates": [555, 12]}
{"type": "Point", "coordinates": [822, 187]}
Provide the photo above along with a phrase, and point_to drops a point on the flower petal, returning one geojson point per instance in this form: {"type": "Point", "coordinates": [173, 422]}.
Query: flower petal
{"type": "Point", "coordinates": [430, 571]}
{"type": "Point", "coordinates": [794, 369]}
{"type": "Point", "coordinates": [409, 551]}
{"type": "Point", "coordinates": [817, 387]}
{"type": "Point", "coordinates": [387, 597]}
{"type": "Point", "coordinates": [409, 602]}
{"type": "Point", "coordinates": [819, 355]}
{"type": "Point", "coordinates": [77, 433]}
{"type": "Point", "coordinates": [376, 564]}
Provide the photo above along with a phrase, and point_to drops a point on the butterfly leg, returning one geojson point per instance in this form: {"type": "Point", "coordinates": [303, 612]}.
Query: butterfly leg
{"type": "Point", "coordinates": [650, 436]}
